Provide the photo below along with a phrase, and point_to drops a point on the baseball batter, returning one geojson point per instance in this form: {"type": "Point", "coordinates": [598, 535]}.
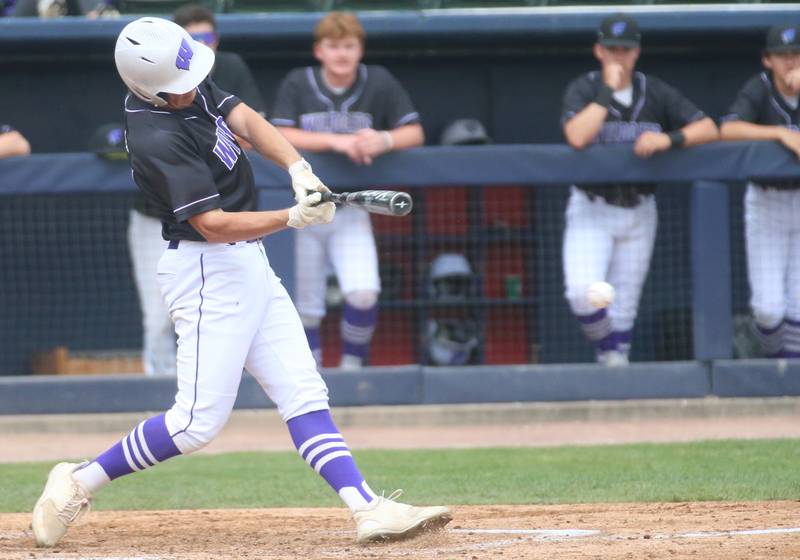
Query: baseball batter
{"type": "Point", "coordinates": [362, 112]}
{"type": "Point", "coordinates": [766, 108]}
{"type": "Point", "coordinates": [611, 228]}
{"type": "Point", "coordinates": [230, 310]}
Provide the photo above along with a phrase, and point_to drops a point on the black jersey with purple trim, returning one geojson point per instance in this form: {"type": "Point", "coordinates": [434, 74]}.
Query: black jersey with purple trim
{"type": "Point", "coordinates": [759, 102]}
{"type": "Point", "coordinates": [655, 106]}
{"type": "Point", "coordinates": [375, 100]}
{"type": "Point", "coordinates": [188, 162]}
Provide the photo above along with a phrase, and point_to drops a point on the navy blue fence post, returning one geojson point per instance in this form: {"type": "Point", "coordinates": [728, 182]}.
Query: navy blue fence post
{"type": "Point", "coordinates": [711, 271]}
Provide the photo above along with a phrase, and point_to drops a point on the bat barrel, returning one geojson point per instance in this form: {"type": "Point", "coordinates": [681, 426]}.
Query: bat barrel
{"type": "Point", "coordinates": [401, 204]}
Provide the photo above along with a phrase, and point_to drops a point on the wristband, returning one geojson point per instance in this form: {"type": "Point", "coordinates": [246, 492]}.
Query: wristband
{"type": "Point", "coordinates": [676, 138]}
{"type": "Point", "coordinates": [388, 140]}
{"type": "Point", "coordinates": [604, 96]}
{"type": "Point", "coordinates": [299, 167]}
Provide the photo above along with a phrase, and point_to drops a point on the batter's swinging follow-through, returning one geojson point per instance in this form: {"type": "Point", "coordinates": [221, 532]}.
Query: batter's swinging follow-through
{"type": "Point", "coordinates": [230, 310]}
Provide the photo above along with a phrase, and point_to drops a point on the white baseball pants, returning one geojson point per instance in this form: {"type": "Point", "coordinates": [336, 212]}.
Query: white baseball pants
{"type": "Point", "coordinates": [231, 312]}
{"type": "Point", "coordinates": [603, 242]}
{"type": "Point", "coordinates": [772, 228]}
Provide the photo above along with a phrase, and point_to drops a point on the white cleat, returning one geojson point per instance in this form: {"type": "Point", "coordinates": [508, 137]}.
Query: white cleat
{"type": "Point", "coordinates": [385, 519]}
{"type": "Point", "coordinates": [613, 358]}
{"type": "Point", "coordinates": [61, 505]}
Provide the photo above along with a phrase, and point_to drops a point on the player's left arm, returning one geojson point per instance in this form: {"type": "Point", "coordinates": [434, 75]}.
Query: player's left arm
{"type": "Point", "coordinates": [264, 137]}
{"type": "Point", "coordinates": [686, 125]}
{"type": "Point", "coordinates": [271, 144]}
{"type": "Point", "coordinates": [401, 128]}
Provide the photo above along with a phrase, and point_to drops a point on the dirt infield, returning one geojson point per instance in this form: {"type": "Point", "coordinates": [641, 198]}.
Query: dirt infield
{"type": "Point", "coordinates": [697, 531]}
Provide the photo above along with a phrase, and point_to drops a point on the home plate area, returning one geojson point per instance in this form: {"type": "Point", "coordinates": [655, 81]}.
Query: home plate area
{"type": "Point", "coordinates": [701, 530]}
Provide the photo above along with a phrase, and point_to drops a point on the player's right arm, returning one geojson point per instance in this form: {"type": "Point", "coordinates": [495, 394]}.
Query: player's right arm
{"type": "Point", "coordinates": [586, 107]}
{"type": "Point", "coordinates": [741, 121]}
{"type": "Point", "coordinates": [217, 226]}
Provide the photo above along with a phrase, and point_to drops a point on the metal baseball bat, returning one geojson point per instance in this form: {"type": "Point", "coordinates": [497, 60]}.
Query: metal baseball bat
{"type": "Point", "coordinates": [388, 203]}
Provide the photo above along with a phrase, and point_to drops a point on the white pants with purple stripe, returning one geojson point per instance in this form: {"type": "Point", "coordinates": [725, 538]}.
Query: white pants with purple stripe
{"type": "Point", "coordinates": [231, 312]}
{"type": "Point", "coordinates": [772, 225]}
{"type": "Point", "coordinates": [603, 242]}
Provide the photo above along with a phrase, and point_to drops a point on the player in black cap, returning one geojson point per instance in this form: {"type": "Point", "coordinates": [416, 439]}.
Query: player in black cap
{"type": "Point", "coordinates": [611, 228]}
{"type": "Point", "coordinates": [766, 108]}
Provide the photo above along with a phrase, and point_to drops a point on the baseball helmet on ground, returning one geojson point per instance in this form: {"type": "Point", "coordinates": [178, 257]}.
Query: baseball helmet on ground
{"type": "Point", "coordinates": [464, 132]}
{"type": "Point", "coordinates": [451, 342]}
{"type": "Point", "coordinates": [156, 56]}
{"type": "Point", "coordinates": [451, 277]}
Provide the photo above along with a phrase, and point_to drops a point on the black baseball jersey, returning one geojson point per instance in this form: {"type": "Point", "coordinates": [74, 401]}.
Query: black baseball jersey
{"type": "Point", "coordinates": [188, 162]}
{"type": "Point", "coordinates": [375, 100]}
{"type": "Point", "coordinates": [656, 106]}
{"type": "Point", "coordinates": [758, 102]}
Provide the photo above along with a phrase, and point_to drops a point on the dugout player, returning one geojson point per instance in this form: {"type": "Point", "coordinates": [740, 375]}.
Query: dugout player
{"type": "Point", "coordinates": [611, 228]}
{"type": "Point", "coordinates": [362, 112]}
{"type": "Point", "coordinates": [230, 310]}
{"type": "Point", "coordinates": [12, 142]}
{"type": "Point", "coordinates": [766, 108]}
{"type": "Point", "coordinates": [145, 240]}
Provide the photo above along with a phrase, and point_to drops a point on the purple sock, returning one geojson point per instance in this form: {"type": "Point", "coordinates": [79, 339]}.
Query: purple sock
{"type": "Point", "coordinates": [319, 442]}
{"type": "Point", "coordinates": [315, 343]}
{"type": "Point", "coordinates": [791, 338]}
{"type": "Point", "coordinates": [771, 339]}
{"type": "Point", "coordinates": [357, 328]}
{"type": "Point", "coordinates": [622, 339]}
{"type": "Point", "coordinates": [147, 445]}
{"type": "Point", "coordinates": [597, 328]}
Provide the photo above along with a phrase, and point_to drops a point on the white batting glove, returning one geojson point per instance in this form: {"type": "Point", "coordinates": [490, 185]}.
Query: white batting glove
{"type": "Point", "coordinates": [310, 211]}
{"type": "Point", "coordinates": [304, 181]}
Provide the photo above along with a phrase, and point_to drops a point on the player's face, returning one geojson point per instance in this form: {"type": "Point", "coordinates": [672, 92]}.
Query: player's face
{"type": "Point", "coordinates": [339, 57]}
{"type": "Point", "coordinates": [180, 100]}
{"type": "Point", "coordinates": [624, 56]}
{"type": "Point", "coordinates": [203, 32]}
{"type": "Point", "coordinates": [781, 65]}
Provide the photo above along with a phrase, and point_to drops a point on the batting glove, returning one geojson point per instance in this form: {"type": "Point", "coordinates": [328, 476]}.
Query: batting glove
{"type": "Point", "coordinates": [310, 210]}
{"type": "Point", "coordinates": [304, 181]}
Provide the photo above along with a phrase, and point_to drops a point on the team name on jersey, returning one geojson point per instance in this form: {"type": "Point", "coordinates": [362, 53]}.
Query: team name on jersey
{"type": "Point", "coordinates": [619, 132]}
{"type": "Point", "coordinates": [226, 148]}
{"type": "Point", "coordinates": [339, 122]}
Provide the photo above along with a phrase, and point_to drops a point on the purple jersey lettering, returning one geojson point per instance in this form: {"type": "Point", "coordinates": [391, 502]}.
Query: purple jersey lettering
{"type": "Point", "coordinates": [226, 148]}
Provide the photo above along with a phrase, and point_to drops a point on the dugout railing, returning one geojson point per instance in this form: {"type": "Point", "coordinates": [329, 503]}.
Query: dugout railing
{"type": "Point", "coordinates": [65, 271]}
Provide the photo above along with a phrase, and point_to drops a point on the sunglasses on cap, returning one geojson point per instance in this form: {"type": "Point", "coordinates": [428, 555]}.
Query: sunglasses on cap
{"type": "Point", "coordinates": [207, 38]}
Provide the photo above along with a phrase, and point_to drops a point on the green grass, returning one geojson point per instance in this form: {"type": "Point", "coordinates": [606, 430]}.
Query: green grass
{"type": "Point", "coordinates": [718, 470]}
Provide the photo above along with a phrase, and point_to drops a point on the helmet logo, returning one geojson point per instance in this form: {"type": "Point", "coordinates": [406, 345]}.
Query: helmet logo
{"type": "Point", "coordinates": [618, 28]}
{"type": "Point", "coordinates": [185, 55]}
{"type": "Point", "coordinates": [788, 35]}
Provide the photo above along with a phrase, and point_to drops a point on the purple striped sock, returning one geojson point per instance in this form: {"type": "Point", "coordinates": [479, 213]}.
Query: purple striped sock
{"type": "Point", "coordinates": [145, 446]}
{"type": "Point", "coordinates": [357, 326]}
{"type": "Point", "coordinates": [791, 338]}
{"type": "Point", "coordinates": [597, 328]}
{"type": "Point", "coordinates": [319, 442]}
{"type": "Point", "coordinates": [622, 340]}
{"type": "Point", "coordinates": [771, 339]}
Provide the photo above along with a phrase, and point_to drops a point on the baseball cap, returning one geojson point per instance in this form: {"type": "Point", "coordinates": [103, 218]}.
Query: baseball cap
{"type": "Point", "coordinates": [619, 31]}
{"type": "Point", "coordinates": [464, 132]}
{"type": "Point", "coordinates": [783, 38]}
{"type": "Point", "coordinates": [108, 142]}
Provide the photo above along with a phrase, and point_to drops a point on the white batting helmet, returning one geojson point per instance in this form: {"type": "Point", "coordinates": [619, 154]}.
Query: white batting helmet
{"type": "Point", "coordinates": [156, 56]}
